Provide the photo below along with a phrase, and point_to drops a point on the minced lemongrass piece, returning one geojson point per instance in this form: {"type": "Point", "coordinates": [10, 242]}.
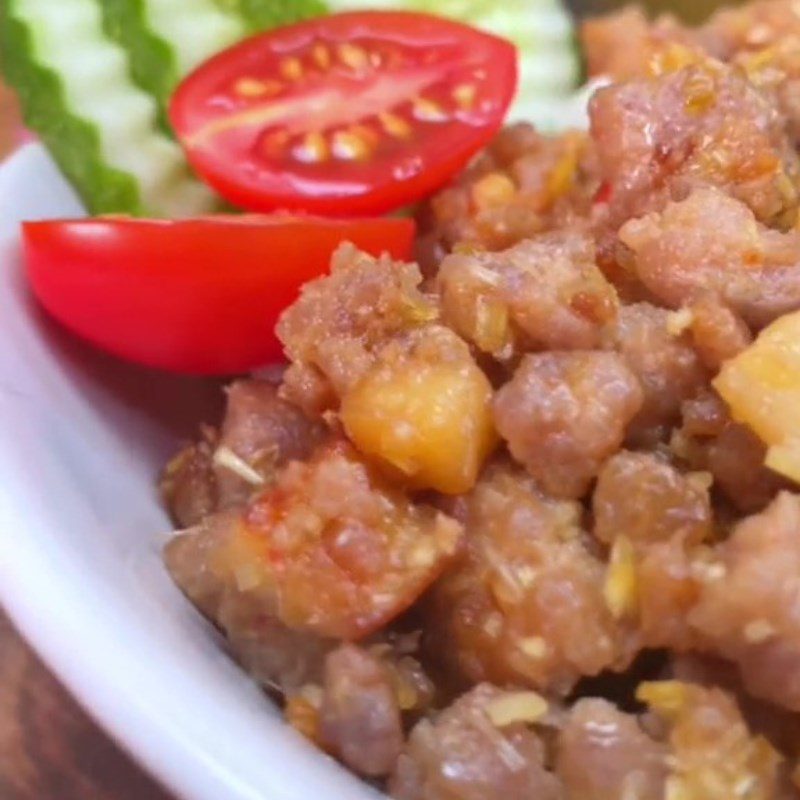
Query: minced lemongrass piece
{"type": "Point", "coordinates": [225, 457]}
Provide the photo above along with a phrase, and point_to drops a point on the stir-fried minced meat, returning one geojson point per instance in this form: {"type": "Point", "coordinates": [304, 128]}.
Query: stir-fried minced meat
{"type": "Point", "coordinates": [564, 413]}
{"type": "Point", "coordinates": [329, 550]}
{"type": "Point", "coordinates": [259, 433]}
{"type": "Point", "coordinates": [604, 754]}
{"type": "Point", "coordinates": [330, 333]}
{"type": "Point", "coordinates": [749, 612]}
{"type": "Point", "coordinates": [359, 715]}
{"type": "Point", "coordinates": [702, 125]}
{"type": "Point", "coordinates": [713, 755]}
{"type": "Point", "coordinates": [625, 44]}
{"type": "Point", "coordinates": [544, 293]}
{"type": "Point", "coordinates": [642, 497]}
{"type": "Point", "coordinates": [712, 243]}
{"type": "Point", "coordinates": [525, 605]}
{"type": "Point", "coordinates": [479, 748]}
{"type": "Point", "coordinates": [525, 183]}
{"type": "Point", "coordinates": [665, 363]}
{"type": "Point", "coordinates": [492, 490]}
{"type": "Point", "coordinates": [718, 333]}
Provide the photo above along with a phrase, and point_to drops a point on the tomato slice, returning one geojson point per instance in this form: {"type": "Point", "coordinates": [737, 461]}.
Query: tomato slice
{"type": "Point", "coordinates": [349, 114]}
{"type": "Point", "coordinates": [196, 296]}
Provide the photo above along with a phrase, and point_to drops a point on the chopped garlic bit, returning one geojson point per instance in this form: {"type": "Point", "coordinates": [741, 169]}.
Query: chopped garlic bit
{"type": "Point", "coordinates": [668, 698]}
{"type": "Point", "coordinates": [759, 630]}
{"type": "Point", "coordinates": [620, 589]}
{"type": "Point", "coordinates": [679, 321]}
{"type": "Point", "coordinates": [533, 646]}
{"type": "Point", "coordinates": [225, 457]}
{"type": "Point", "coordinates": [514, 707]}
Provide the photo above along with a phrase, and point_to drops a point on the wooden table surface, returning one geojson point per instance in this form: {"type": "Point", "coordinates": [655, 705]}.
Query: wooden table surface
{"type": "Point", "coordinates": [49, 748]}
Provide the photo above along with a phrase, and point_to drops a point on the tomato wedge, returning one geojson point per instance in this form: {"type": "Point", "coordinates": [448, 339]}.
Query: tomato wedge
{"type": "Point", "coordinates": [350, 114]}
{"type": "Point", "coordinates": [197, 296]}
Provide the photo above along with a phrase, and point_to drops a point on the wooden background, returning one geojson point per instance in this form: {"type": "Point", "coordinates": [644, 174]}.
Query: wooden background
{"type": "Point", "coordinates": [49, 749]}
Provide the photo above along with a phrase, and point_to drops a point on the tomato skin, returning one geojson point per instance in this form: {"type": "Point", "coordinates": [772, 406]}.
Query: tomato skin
{"type": "Point", "coordinates": [397, 169]}
{"type": "Point", "coordinates": [198, 296]}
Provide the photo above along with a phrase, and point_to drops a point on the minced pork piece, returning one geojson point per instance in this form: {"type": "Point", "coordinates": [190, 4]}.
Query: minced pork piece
{"type": "Point", "coordinates": [329, 550]}
{"type": "Point", "coordinates": [603, 753]}
{"type": "Point", "coordinates": [666, 364]}
{"type": "Point", "coordinates": [525, 605]}
{"type": "Point", "coordinates": [359, 715]}
{"type": "Point", "coordinates": [542, 294]}
{"type": "Point", "coordinates": [564, 413]}
{"type": "Point", "coordinates": [331, 332]}
{"type": "Point", "coordinates": [712, 243]}
{"type": "Point", "coordinates": [479, 748]}
{"type": "Point", "coordinates": [749, 612]}
{"type": "Point", "coordinates": [703, 125]}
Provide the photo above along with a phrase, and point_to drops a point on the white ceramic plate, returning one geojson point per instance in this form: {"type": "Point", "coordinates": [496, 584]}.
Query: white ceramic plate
{"type": "Point", "coordinates": [82, 438]}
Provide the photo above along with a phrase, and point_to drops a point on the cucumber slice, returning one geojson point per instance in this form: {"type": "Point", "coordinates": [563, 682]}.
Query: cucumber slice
{"type": "Point", "coordinates": [543, 32]}
{"type": "Point", "coordinates": [261, 15]}
{"type": "Point", "coordinates": [76, 94]}
{"type": "Point", "coordinates": [166, 39]}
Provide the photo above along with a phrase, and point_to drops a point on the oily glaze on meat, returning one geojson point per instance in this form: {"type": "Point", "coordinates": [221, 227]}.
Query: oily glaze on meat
{"type": "Point", "coordinates": [522, 520]}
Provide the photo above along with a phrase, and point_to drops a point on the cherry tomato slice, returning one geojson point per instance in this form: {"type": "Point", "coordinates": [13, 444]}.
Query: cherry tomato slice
{"type": "Point", "coordinates": [349, 114]}
{"type": "Point", "coordinates": [197, 296]}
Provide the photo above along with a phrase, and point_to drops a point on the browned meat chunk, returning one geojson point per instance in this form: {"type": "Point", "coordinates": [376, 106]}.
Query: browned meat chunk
{"type": "Point", "coordinates": [525, 183]}
{"type": "Point", "coordinates": [736, 460]}
{"type": "Point", "coordinates": [645, 499]}
{"type": "Point", "coordinates": [665, 363]}
{"type": "Point", "coordinates": [189, 483]}
{"type": "Point", "coordinates": [711, 243]}
{"type": "Point", "coordinates": [480, 748]}
{"type": "Point", "coordinates": [749, 611]}
{"type": "Point", "coordinates": [526, 604]}
{"type": "Point", "coordinates": [564, 413]}
{"type": "Point", "coordinates": [603, 754]}
{"type": "Point", "coordinates": [702, 125]}
{"type": "Point", "coordinates": [718, 333]}
{"type": "Point", "coordinates": [330, 333]}
{"type": "Point", "coordinates": [544, 293]}
{"type": "Point", "coordinates": [330, 550]}
{"type": "Point", "coordinates": [625, 44]}
{"type": "Point", "coordinates": [359, 717]}
{"type": "Point", "coordinates": [713, 755]}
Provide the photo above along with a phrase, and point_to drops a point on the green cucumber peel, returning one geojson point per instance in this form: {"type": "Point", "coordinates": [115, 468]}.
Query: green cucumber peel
{"type": "Point", "coordinates": [75, 93]}
{"type": "Point", "coordinates": [261, 15]}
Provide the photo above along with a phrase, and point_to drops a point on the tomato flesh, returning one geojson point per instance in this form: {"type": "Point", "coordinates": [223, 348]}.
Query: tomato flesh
{"type": "Point", "coordinates": [355, 113]}
{"type": "Point", "coordinates": [197, 296]}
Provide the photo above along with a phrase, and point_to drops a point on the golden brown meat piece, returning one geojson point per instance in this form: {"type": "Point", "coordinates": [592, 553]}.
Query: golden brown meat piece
{"type": "Point", "coordinates": [564, 413]}
{"type": "Point", "coordinates": [359, 715]}
{"type": "Point", "coordinates": [654, 517]}
{"type": "Point", "coordinates": [665, 363]}
{"type": "Point", "coordinates": [329, 550]}
{"type": "Point", "coordinates": [523, 184]}
{"type": "Point", "coordinates": [749, 611]}
{"type": "Point", "coordinates": [718, 333]}
{"type": "Point", "coordinates": [543, 293]}
{"type": "Point", "coordinates": [526, 604]}
{"type": "Point", "coordinates": [711, 243]}
{"type": "Point", "coordinates": [259, 433]}
{"type": "Point", "coordinates": [625, 44]}
{"type": "Point", "coordinates": [604, 754]}
{"type": "Point", "coordinates": [331, 332]}
{"type": "Point", "coordinates": [703, 125]}
{"type": "Point", "coordinates": [479, 748]}
{"type": "Point", "coordinates": [644, 498]}
{"type": "Point", "coordinates": [713, 754]}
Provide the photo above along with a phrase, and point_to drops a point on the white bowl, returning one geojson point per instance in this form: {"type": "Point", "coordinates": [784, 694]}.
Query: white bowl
{"type": "Point", "coordinates": [82, 438]}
